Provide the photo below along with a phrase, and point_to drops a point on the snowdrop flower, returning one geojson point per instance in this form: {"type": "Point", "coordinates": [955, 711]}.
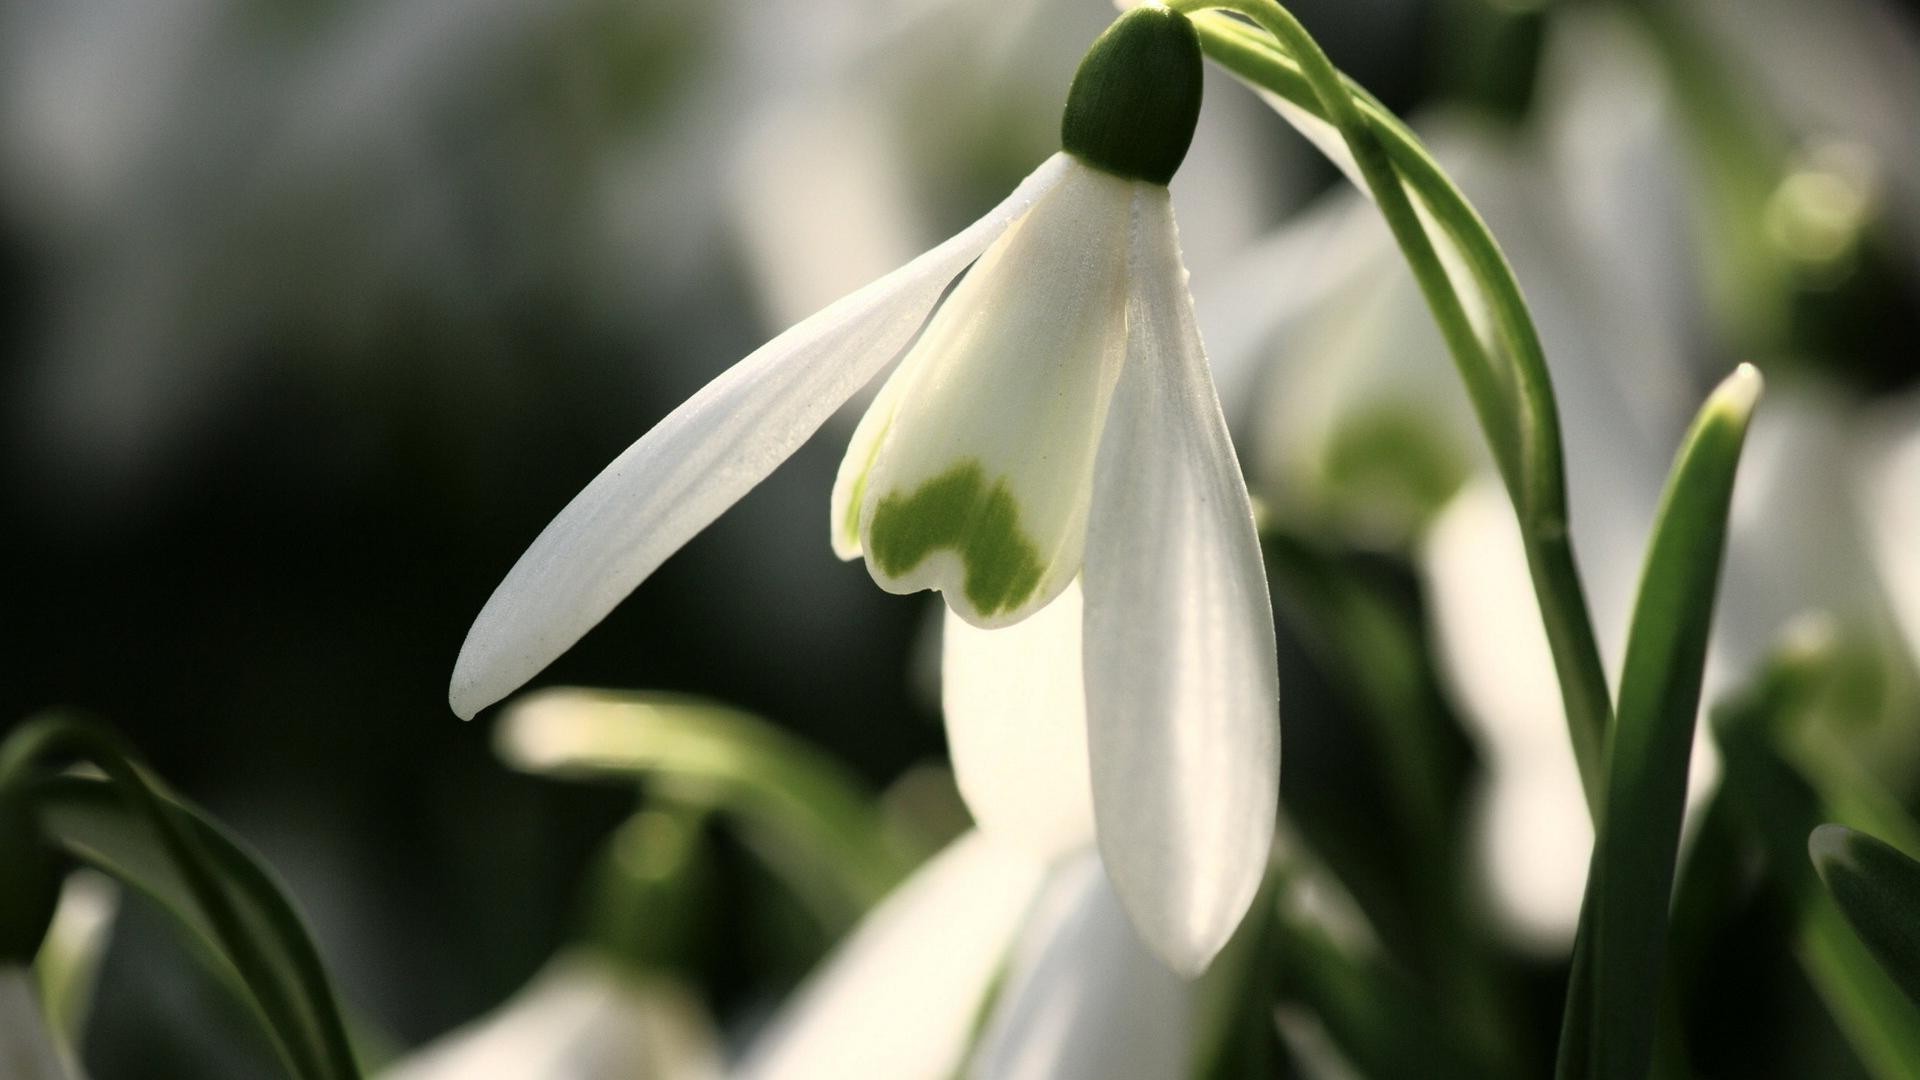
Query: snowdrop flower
{"type": "Point", "coordinates": [1055, 422]}
{"type": "Point", "coordinates": [580, 1018]}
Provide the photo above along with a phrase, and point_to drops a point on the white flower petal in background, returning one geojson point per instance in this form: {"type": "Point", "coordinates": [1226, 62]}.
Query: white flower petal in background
{"type": "Point", "coordinates": [1534, 836]}
{"type": "Point", "coordinates": [27, 1047]}
{"type": "Point", "coordinates": [701, 459]}
{"type": "Point", "coordinates": [1890, 502]}
{"type": "Point", "coordinates": [979, 486]}
{"type": "Point", "coordinates": [835, 155]}
{"type": "Point", "coordinates": [1084, 999]}
{"type": "Point", "coordinates": [1782, 564]}
{"type": "Point", "coordinates": [900, 998]}
{"type": "Point", "coordinates": [1181, 681]}
{"type": "Point", "coordinates": [68, 963]}
{"type": "Point", "coordinates": [1016, 716]}
{"type": "Point", "coordinates": [578, 1019]}
{"type": "Point", "coordinates": [1615, 157]}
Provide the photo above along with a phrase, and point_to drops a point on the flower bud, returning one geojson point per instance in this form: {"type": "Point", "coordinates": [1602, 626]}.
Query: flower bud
{"type": "Point", "coordinates": [1136, 97]}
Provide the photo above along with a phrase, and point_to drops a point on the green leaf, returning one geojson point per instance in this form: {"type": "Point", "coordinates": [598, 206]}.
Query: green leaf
{"type": "Point", "coordinates": [1609, 1023]}
{"type": "Point", "coordinates": [96, 824]}
{"type": "Point", "coordinates": [800, 811]}
{"type": "Point", "coordinates": [1877, 888]}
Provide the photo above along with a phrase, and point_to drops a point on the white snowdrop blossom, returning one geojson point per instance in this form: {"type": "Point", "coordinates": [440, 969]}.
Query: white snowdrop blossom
{"type": "Point", "coordinates": [1054, 422]}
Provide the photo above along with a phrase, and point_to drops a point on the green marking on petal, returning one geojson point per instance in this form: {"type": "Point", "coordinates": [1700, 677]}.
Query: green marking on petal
{"type": "Point", "coordinates": [981, 524]}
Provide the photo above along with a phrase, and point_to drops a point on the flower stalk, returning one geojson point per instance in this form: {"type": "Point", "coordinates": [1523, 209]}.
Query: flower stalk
{"type": "Point", "coordinates": [1506, 379]}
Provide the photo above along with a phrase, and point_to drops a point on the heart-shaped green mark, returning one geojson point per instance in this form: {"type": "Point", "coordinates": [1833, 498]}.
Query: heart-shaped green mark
{"type": "Point", "coordinates": [979, 522]}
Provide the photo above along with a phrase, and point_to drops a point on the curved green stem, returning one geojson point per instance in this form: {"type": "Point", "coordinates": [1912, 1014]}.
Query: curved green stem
{"type": "Point", "coordinates": [1506, 379]}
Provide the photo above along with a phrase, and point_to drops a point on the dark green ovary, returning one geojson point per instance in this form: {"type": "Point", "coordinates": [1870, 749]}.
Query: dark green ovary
{"type": "Point", "coordinates": [958, 510]}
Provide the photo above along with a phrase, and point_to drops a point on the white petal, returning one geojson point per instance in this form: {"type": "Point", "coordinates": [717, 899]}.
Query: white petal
{"type": "Point", "coordinates": [1182, 687]}
{"type": "Point", "coordinates": [701, 459]}
{"type": "Point", "coordinates": [980, 484]}
{"type": "Point", "coordinates": [578, 1019]}
{"type": "Point", "coordinates": [68, 963]}
{"type": "Point", "coordinates": [1891, 498]}
{"type": "Point", "coordinates": [899, 998]}
{"type": "Point", "coordinates": [1085, 1000]}
{"type": "Point", "coordinates": [1017, 726]}
{"type": "Point", "coordinates": [27, 1049]}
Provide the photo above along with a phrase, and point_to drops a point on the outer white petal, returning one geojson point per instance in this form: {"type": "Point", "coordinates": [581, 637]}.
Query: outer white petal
{"type": "Point", "coordinates": [701, 459]}
{"type": "Point", "coordinates": [1890, 496]}
{"type": "Point", "coordinates": [1182, 687]}
{"type": "Point", "coordinates": [899, 998]}
{"type": "Point", "coordinates": [1017, 726]}
{"type": "Point", "coordinates": [979, 488]}
{"type": "Point", "coordinates": [27, 1048]}
{"type": "Point", "coordinates": [579, 1019]}
{"type": "Point", "coordinates": [1085, 1000]}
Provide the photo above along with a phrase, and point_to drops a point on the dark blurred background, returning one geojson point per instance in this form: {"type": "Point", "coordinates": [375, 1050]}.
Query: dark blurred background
{"type": "Point", "coordinates": [313, 313]}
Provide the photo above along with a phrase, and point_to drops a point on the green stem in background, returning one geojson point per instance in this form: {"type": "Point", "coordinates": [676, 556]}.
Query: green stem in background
{"type": "Point", "coordinates": [1507, 381]}
{"type": "Point", "coordinates": [212, 877]}
{"type": "Point", "coordinates": [1621, 948]}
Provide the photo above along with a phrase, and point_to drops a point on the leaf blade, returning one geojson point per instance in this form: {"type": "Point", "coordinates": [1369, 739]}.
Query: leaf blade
{"type": "Point", "coordinates": [1877, 889]}
{"type": "Point", "coordinates": [1608, 1027]}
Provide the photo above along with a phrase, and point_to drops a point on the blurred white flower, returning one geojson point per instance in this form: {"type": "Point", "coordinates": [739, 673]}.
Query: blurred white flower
{"type": "Point", "coordinates": [1078, 994]}
{"type": "Point", "coordinates": [1055, 422]}
{"type": "Point", "coordinates": [579, 1018]}
{"type": "Point", "coordinates": [28, 1050]}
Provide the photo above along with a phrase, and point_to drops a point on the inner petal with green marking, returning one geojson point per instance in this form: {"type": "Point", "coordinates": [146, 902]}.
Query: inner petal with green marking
{"type": "Point", "coordinates": [960, 511]}
{"type": "Point", "coordinates": [972, 471]}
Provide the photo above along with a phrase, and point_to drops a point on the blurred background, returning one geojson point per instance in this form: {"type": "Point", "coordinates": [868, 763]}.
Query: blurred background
{"type": "Point", "coordinates": [312, 314]}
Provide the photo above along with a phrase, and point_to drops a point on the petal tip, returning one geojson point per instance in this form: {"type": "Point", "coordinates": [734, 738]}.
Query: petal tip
{"type": "Point", "coordinates": [475, 683]}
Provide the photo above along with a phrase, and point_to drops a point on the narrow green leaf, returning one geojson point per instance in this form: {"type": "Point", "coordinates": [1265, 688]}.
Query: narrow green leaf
{"type": "Point", "coordinates": [810, 820]}
{"type": "Point", "coordinates": [1877, 888]}
{"type": "Point", "coordinates": [97, 825]}
{"type": "Point", "coordinates": [1609, 1023]}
